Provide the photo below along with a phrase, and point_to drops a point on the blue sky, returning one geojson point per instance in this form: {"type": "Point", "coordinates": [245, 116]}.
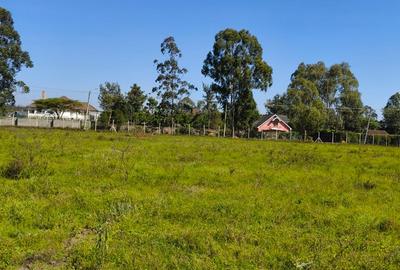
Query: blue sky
{"type": "Point", "coordinates": [76, 45]}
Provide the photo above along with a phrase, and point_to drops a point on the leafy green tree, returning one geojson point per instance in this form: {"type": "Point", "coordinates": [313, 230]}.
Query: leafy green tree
{"type": "Point", "coordinates": [349, 105]}
{"type": "Point", "coordinates": [279, 104]}
{"type": "Point", "coordinates": [135, 100]}
{"type": "Point", "coordinates": [171, 87]}
{"type": "Point", "coordinates": [391, 114]}
{"type": "Point", "coordinates": [152, 113]}
{"type": "Point", "coordinates": [351, 110]}
{"type": "Point", "coordinates": [337, 89]}
{"type": "Point", "coordinates": [210, 108]}
{"type": "Point", "coordinates": [235, 64]}
{"type": "Point", "coordinates": [246, 111]}
{"type": "Point", "coordinates": [307, 109]}
{"type": "Point", "coordinates": [370, 116]}
{"type": "Point", "coordinates": [12, 60]}
{"type": "Point", "coordinates": [185, 111]}
{"type": "Point", "coordinates": [113, 103]}
{"type": "Point", "coordinates": [57, 105]}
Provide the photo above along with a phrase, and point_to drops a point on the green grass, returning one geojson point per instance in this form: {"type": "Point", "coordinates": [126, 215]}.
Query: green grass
{"type": "Point", "coordinates": [83, 200]}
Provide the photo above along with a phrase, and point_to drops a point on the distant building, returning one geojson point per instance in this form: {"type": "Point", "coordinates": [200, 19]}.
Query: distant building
{"type": "Point", "coordinates": [377, 133]}
{"type": "Point", "coordinates": [272, 123]}
{"type": "Point", "coordinates": [77, 113]}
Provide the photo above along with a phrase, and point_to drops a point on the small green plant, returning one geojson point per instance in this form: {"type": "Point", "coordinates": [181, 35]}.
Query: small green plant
{"type": "Point", "coordinates": [27, 161]}
{"type": "Point", "coordinates": [14, 169]}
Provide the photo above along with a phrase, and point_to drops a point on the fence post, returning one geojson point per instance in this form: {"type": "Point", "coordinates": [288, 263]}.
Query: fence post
{"type": "Point", "coordinates": [219, 131]}
{"type": "Point", "coordinates": [290, 135]}
{"type": "Point", "coordinates": [386, 140]}
{"type": "Point", "coordinates": [248, 133]}
{"type": "Point", "coordinates": [189, 129]}
{"type": "Point", "coordinates": [128, 126]}
{"type": "Point", "coordinates": [95, 124]}
{"type": "Point", "coordinates": [305, 135]}
{"type": "Point", "coordinates": [346, 137]}
{"type": "Point", "coordinates": [204, 130]}
{"type": "Point", "coordinates": [373, 139]}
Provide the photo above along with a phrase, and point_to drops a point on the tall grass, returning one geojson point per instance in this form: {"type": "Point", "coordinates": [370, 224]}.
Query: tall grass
{"type": "Point", "coordinates": [86, 200]}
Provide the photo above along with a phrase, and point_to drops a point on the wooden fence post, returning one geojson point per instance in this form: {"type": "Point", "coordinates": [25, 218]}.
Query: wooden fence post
{"type": "Point", "coordinates": [219, 131]}
{"type": "Point", "coordinates": [204, 130]}
{"type": "Point", "coordinates": [189, 129]}
{"type": "Point", "coordinates": [333, 137]}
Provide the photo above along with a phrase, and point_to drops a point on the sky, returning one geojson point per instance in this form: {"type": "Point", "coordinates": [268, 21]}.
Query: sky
{"type": "Point", "coordinates": [78, 44]}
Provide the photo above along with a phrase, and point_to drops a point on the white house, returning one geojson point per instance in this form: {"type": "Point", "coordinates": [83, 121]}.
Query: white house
{"type": "Point", "coordinates": [78, 113]}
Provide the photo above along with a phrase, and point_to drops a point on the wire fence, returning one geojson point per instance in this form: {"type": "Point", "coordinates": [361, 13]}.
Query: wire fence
{"type": "Point", "coordinates": [144, 128]}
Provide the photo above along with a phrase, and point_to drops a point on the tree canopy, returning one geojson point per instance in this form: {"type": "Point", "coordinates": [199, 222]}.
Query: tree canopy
{"type": "Point", "coordinates": [236, 66]}
{"type": "Point", "coordinates": [391, 114]}
{"type": "Point", "coordinates": [112, 101]}
{"type": "Point", "coordinates": [57, 105]}
{"type": "Point", "coordinates": [135, 100]}
{"type": "Point", "coordinates": [12, 60]}
{"type": "Point", "coordinates": [171, 86]}
{"type": "Point", "coordinates": [334, 91]}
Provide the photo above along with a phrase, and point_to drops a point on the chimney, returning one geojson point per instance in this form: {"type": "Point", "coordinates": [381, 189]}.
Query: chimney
{"type": "Point", "coordinates": [43, 95]}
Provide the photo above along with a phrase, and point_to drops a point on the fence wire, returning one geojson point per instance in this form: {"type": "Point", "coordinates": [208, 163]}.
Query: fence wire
{"type": "Point", "coordinates": [143, 128]}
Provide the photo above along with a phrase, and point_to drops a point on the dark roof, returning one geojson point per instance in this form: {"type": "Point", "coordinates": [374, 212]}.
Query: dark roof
{"type": "Point", "coordinates": [265, 117]}
{"type": "Point", "coordinates": [376, 132]}
{"type": "Point", "coordinates": [83, 106]}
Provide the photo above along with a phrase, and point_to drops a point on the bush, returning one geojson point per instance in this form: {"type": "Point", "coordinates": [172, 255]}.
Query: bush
{"type": "Point", "coordinates": [13, 170]}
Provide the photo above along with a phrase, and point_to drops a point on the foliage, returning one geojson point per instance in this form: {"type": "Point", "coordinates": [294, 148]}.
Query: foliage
{"type": "Point", "coordinates": [307, 109]}
{"type": "Point", "coordinates": [135, 100]}
{"type": "Point", "coordinates": [171, 87]}
{"type": "Point", "coordinates": [236, 67]}
{"type": "Point", "coordinates": [57, 105]}
{"type": "Point", "coordinates": [152, 112]}
{"type": "Point", "coordinates": [391, 114]}
{"type": "Point", "coordinates": [116, 201]}
{"type": "Point", "coordinates": [113, 103]}
{"type": "Point", "coordinates": [335, 87]}
{"type": "Point", "coordinates": [370, 115]}
{"type": "Point", "coordinates": [12, 60]}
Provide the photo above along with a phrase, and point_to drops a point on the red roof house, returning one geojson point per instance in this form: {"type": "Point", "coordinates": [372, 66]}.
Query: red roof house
{"type": "Point", "coordinates": [274, 122]}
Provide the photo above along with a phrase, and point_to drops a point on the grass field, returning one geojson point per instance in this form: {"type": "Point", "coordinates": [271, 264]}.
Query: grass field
{"type": "Point", "coordinates": [82, 200]}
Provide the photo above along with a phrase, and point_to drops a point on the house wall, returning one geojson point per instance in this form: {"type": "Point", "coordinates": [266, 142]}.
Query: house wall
{"type": "Point", "coordinates": [66, 115]}
{"type": "Point", "coordinates": [271, 126]}
{"type": "Point", "coordinates": [29, 122]}
{"type": "Point", "coordinates": [61, 123]}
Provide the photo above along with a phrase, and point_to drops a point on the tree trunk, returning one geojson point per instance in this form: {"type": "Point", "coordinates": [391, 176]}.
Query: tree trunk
{"type": "Point", "coordinates": [233, 116]}
{"type": "Point", "coordinates": [226, 109]}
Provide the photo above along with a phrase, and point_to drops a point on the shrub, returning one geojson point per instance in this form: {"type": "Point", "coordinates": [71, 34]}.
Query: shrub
{"type": "Point", "coordinates": [13, 170]}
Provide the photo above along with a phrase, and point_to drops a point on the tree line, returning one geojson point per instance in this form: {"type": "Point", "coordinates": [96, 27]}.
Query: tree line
{"type": "Point", "coordinates": [319, 97]}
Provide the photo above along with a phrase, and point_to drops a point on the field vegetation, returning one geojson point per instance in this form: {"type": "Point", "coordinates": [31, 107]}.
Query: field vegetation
{"type": "Point", "coordinates": [86, 200]}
